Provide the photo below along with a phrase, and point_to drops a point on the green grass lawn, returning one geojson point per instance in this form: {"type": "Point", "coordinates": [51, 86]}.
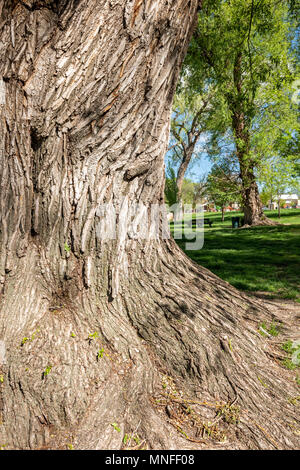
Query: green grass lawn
{"type": "Point", "coordinates": [253, 259]}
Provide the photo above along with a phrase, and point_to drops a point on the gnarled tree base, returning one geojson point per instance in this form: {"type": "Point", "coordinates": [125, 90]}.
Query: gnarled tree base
{"type": "Point", "coordinates": [96, 332]}
{"type": "Point", "coordinates": [265, 221]}
{"type": "Point", "coordinates": [175, 361]}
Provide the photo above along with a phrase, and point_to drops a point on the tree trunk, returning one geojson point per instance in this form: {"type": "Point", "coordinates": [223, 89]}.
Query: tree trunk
{"type": "Point", "coordinates": [179, 180]}
{"type": "Point", "coordinates": [223, 212]}
{"type": "Point", "coordinates": [183, 168]}
{"type": "Point", "coordinates": [99, 332]}
{"type": "Point", "coordinates": [251, 202]}
{"type": "Point", "coordinates": [279, 208]}
{"type": "Point", "coordinates": [252, 205]}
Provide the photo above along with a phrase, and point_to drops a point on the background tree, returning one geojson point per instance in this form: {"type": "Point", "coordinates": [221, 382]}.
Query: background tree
{"type": "Point", "coordinates": [265, 196]}
{"type": "Point", "coordinates": [96, 328]}
{"type": "Point", "coordinates": [188, 191]}
{"type": "Point", "coordinates": [277, 176]}
{"type": "Point", "coordinates": [223, 186]}
{"type": "Point", "coordinates": [171, 186]}
{"type": "Point", "coordinates": [243, 47]}
{"type": "Point", "coordinates": [192, 193]}
{"type": "Point", "coordinates": [200, 189]}
{"type": "Point", "coordinates": [190, 120]}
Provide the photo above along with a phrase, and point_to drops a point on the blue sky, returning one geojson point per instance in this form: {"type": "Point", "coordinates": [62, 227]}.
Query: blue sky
{"type": "Point", "coordinates": [200, 164]}
{"type": "Point", "coordinates": [198, 168]}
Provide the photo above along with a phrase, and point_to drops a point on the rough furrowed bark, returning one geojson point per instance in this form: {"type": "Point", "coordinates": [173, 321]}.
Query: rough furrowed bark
{"type": "Point", "coordinates": [108, 338]}
{"type": "Point", "coordinates": [65, 385]}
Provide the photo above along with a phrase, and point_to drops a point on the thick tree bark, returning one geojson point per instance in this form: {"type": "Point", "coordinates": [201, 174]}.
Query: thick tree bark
{"type": "Point", "coordinates": [94, 329]}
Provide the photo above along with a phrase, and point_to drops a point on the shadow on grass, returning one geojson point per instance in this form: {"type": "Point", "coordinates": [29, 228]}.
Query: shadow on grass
{"type": "Point", "coordinates": [254, 259]}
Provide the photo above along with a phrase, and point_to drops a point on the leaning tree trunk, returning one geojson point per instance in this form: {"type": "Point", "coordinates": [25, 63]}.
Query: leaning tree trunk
{"type": "Point", "coordinates": [188, 153]}
{"type": "Point", "coordinates": [183, 168]}
{"type": "Point", "coordinates": [99, 332]}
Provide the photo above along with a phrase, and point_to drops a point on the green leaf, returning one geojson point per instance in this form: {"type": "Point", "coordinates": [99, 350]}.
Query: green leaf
{"type": "Point", "coordinates": [116, 427]}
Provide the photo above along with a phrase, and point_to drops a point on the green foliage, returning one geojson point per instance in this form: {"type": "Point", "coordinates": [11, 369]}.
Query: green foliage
{"type": "Point", "coordinates": [26, 338]}
{"type": "Point", "coordinates": [288, 364]}
{"type": "Point", "coordinates": [34, 334]}
{"type": "Point", "coordinates": [288, 347]}
{"type": "Point", "coordinates": [272, 330]}
{"type": "Point", "coordinates": [116, 427]}
{"type": "Point", "coordinates": [262, 382]}
{"type": "Point", "coordinates": [47, 371]}
{"type": "Point", "coordinates": [292, 350]}
{"type": "Point", "coordinates": [67, 247]}
{"type": "Point", "coordinates": [128, 438]}
{"type": "Point", "coordinates": [242, 49]}
{"type": "Point", "coordinates": [187, 191]}
{"type": "Point", "coordinates": [223, 184]}
{"type": "Point", "coordinates": [255, 38]}
{"type": "Point", "coordinates": [100, 353]}
{"type": "Point", "coordinates": [277, 175]}
{"type": "Point", "coordinates": [93, 335]}
{"type": "Point", "coordinates": [265, 196]}
{"type": "Point", "coordinates": [191, 192]}
{"type": "Point", "coordinates": [171, 187]}
{"type": "Point", "coordinates": [230, 413]}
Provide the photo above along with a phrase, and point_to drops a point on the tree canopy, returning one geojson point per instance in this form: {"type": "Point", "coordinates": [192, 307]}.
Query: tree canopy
{"type": "Point", "coordinates": [244, 53]}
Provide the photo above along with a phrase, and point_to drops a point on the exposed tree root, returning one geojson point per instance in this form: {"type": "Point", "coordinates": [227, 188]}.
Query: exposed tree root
{"type": "Point", "coordinates": [175, 361]}
{"type": "Point", "coordinates": [265, 221]}
{"type": "Point", "coordinates": [92, 328]}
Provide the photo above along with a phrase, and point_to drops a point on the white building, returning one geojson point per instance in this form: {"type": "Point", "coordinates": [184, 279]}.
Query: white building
{"type": "Point", "coordinates": [289, 200]}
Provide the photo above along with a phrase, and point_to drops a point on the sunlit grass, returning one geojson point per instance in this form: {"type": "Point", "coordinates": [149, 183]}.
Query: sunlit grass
{"type": "Point", "coordinates": [253, 259]}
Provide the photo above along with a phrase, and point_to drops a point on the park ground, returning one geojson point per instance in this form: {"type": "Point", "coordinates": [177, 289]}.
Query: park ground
{"type": "Point", "coordinates": [264, 261]}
